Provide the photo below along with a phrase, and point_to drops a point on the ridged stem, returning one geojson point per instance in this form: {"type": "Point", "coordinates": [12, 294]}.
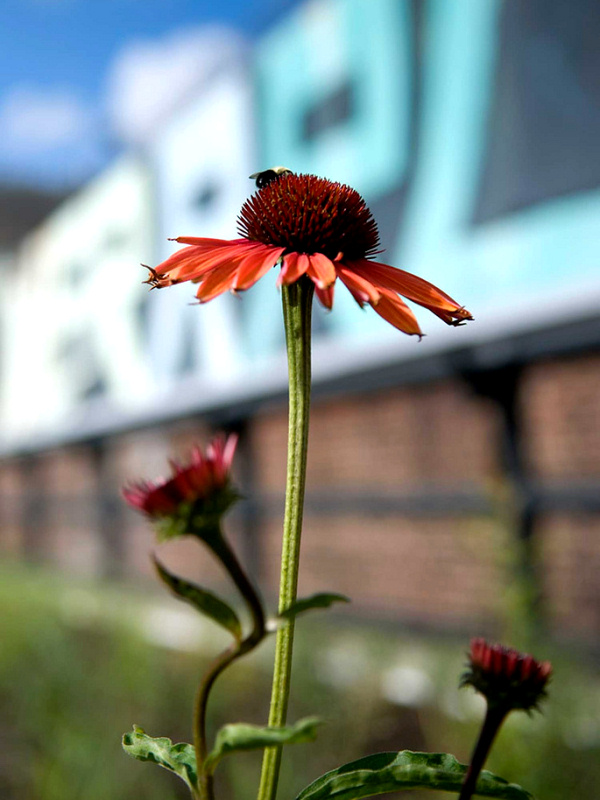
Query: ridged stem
{"type": "Point", "coordinates": [493, 720]}
{"type": "Point", "coordinates": [219, 545]}
{"type": "Point", "coordinates": [297, 306]}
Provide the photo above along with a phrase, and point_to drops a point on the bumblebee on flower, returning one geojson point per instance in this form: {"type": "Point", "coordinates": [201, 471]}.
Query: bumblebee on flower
{"type": "Point", "coordinates": [311, 227]}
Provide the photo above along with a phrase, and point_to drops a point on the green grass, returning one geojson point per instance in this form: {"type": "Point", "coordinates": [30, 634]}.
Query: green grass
{"type": "Point", "coordinates": [80, 663]}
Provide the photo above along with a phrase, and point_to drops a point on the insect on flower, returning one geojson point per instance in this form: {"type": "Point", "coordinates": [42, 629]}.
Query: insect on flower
{"type": "Point", "coordinates": [264, 178]}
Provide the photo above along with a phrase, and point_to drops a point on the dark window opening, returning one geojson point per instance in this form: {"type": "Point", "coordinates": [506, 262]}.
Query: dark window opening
{"type": "Point", "coordinates": [330, 112]}
{"type": "Point", "coordinates": [206, 196]}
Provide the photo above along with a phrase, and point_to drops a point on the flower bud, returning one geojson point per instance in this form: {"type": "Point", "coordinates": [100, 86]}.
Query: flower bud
{"type": "Point", "coordinates": [195, 497]}
{"type": "Point", "coordinates": [506, 678]}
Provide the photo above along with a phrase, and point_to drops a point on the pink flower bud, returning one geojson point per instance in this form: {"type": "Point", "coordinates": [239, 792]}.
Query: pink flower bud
{"type": "Point", "coordinates": [196, 495]}
{"type": "Point", "coordinates": [505, 677]}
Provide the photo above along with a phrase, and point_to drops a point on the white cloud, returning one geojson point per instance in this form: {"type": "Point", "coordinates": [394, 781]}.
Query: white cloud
{"type": "Point", "coordinates": [52, 134]}
{"type": "Point", "coordinates": [150, 78]}
{"type": "Point", "coordinates": [34, 120]}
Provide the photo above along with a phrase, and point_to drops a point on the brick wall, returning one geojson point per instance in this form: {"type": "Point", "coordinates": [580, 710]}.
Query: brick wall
{"type": "Point", "coordinates": [387, 441]}
{"type": "Point", "coordinates": [370, 456]}
{"type": "Point", "coordinates": [560, 404]}
{"type": "Point", "coordinates": [390, 444]}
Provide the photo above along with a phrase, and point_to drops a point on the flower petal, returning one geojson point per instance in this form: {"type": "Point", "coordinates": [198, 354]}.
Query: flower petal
{"type": "Point", "coordinates": [255, 265]}
{"type": "Point", "coordinates": [219, 281]}
{"type": "Point", "coordinates": [191, 263]}
{"type": "Point", "coordinates": [181, 256]}
{"type": "Point", "coordinates": [207, 243]}
{"type": "Point", "coordinates": [408, 285]}
{"type": "Point", "coordinates": [321, 270]}
{"type": "Point", "coordinates": [455, 318]}
{"type": "Point", "coordinates": [215, 259]}
{"type": "Point", "coordinates": [325, 296]}
{"type": "Point", "coordinates": [222, 452]}
{"type": "Point", "coordinates": [361, 289]}
{"type": "Point", "coordinates": [294, 267]}
{"type": "Point", "coordinates": [393, 309]}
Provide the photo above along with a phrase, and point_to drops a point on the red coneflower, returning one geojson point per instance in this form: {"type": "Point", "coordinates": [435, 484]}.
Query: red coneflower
{"type": "Point", "coordinates": [506, 677]}
{"type": "Point", "coordinates": [196, 495]}
{"type": "Point", "coordinates": [314, 227]}
{"type": "Point", "coordinates": [508, 680]}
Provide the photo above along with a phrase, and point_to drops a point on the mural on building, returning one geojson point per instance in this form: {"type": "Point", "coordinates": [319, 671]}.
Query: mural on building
{"type": "Point", "coordinates": [470, 127]}
{"type": "Point", "coordinates": [73, 307]}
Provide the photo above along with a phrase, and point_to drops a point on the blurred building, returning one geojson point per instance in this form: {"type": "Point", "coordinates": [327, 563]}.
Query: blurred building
{"type": "Point", "coordinates": [446, 477]}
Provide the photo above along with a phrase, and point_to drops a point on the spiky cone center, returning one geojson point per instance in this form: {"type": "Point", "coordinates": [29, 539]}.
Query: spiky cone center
{"type": "Point", "coordinates": [308, 214]}
{"type": "Point", "coordinates": [507, 678]}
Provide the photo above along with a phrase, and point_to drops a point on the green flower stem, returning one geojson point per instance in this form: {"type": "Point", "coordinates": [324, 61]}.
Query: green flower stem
{"type": "Point", "coordinates": [297, 307]}
{"type": "Point", "coordinates": [220, 547]}
{"type": "Point", "coordinates": [493, 720]}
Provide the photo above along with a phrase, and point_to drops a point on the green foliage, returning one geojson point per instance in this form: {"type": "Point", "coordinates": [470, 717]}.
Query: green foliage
{"type": "Point", "coordinates": [75, 664]}
{"type": "Point", "coordinates": [393, 772]}
{"type": "Point", "coordinates": [79, 662]}
{"type": "Point", "coordinates": [321, 600]}
{"type": "Point", "coordinates": [241, 736]}
{"type": "Point", "coordinates": [178, 758]}
{"type": "Point", "coordinates": [204, 601]}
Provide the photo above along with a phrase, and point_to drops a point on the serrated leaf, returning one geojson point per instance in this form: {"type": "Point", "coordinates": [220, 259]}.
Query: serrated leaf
{"type": "Point", "coordinates": [321, 600]}
{"type": "Point", "coordinates": [179, 758]}
{"type": "Point", "coordinates": [394, 772]}
{"type": "Point", "coordinates": [204, 601]}
{"type": "Point", "coordinates": [242, 736]}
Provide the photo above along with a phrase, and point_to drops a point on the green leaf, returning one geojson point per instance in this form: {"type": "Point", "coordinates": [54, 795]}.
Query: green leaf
{"type": "Point", "coordinates": [393, 772]}
{"type": "Point", "coordinates": [178, 758]}
{"type": "Point", "coordinates": [207, 603]}
{"type": "Point", "coordinates": [241, 736]}
{"type": "Point", "coordinates": [322, 600]}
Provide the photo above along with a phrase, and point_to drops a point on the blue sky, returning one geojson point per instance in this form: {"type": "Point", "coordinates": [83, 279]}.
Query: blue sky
{"type": "Point", "coordinates": [61, 59]}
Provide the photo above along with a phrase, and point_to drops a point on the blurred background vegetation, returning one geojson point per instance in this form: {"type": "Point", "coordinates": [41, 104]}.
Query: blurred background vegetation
{"type": "Point", "coordinates": [80, 663]}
